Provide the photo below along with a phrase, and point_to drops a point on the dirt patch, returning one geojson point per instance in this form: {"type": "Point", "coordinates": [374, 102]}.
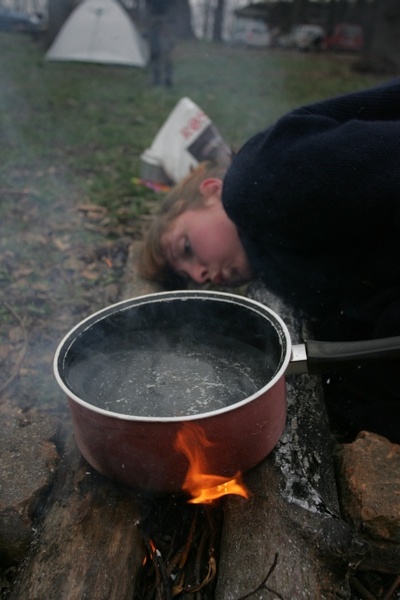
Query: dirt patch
{"type": "Point", "coordinates": [59, 262]}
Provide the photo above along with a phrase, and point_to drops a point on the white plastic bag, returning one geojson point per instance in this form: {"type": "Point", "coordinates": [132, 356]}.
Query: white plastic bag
{"type": "Point", "coordinates": [187, 138]}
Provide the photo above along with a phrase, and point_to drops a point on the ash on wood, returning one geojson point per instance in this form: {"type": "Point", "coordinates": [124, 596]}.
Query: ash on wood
{"type": "Point", "coordinates": [292, 519]}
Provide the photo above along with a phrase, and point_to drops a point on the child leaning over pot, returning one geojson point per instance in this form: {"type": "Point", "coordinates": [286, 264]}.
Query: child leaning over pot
{"type": "Point", "coordinates": [310, 206]}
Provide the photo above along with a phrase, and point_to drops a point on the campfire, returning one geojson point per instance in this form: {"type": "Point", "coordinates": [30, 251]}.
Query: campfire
{"type": "Point", "coordinates": [181, 535]}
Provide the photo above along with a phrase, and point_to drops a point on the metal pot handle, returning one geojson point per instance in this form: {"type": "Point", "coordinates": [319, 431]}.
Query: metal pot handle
{"type": "Point", "coordinates": [315, 357]}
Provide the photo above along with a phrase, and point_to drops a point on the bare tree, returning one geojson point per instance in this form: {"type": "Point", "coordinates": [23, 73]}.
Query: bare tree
{"type": "Point", "coordinates": [218, 20]}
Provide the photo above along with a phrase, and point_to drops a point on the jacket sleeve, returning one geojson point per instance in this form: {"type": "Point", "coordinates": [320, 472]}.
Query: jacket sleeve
{"type": "Point", "coordinates": [325, 173]}
{"type": "Point", "coordinates": [380, 103]}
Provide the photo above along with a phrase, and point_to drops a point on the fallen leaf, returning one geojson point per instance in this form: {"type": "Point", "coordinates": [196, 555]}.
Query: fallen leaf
{"type": "Point", "coordinates": [92, 208]}
{"type": "Point", "coordinates": [5, 351]}
{"type": "Point", "coordinates": [88, 274]}
{"type": "Point", "coordinates": [15, 335]}
{"type": "Point", "coordinates": [63, 243]}
{"type": "Point", "coordinates": [40, 287]}
{"type": "Point", "coordinates": [73, 264]}
{"type": "Point", "coordinates": [35, 238]}
{"type": "Point", "coordinates": [22, 272]}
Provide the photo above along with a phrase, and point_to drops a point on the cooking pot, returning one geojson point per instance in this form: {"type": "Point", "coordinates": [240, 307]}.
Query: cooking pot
{"type": "Point", "coordinates": [136, 372]}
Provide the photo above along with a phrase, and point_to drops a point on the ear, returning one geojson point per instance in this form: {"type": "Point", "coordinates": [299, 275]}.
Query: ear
{"type": "Point", "coordinates": [211, 188]}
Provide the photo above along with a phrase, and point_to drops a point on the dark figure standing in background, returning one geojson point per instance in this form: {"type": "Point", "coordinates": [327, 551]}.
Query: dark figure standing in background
{"type": "Point", "coordinates": [161, 38]}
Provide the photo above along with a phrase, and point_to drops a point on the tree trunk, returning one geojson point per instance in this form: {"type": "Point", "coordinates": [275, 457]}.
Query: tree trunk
{"type": "Point", "coordinates": [218, 20]}
{"type": "Point", "coordinates": [182, 18]}
{"type": "Point", "coordinates": [298, 11]}
{"type": "Point", "coordinates": [382, 49]}
{"type": "Point", "coordinates": [207, 19]}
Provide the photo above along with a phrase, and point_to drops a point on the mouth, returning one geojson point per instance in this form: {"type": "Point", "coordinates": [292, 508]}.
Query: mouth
{"type": "Point", "coordinates": [232, 277]}
{"type": "Point", "coordinates": [219, 279]}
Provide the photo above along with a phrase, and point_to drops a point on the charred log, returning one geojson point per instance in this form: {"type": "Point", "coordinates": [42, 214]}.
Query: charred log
{"type": "Point", "coordinates": [87, 544]}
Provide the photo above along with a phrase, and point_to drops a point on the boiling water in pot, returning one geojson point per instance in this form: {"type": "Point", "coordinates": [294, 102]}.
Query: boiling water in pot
{"type": "Point", "coordinates": [153, 378]}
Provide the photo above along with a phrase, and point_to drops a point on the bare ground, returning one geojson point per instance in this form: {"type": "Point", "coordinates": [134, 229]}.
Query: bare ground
{"type": "Point", "coordinates": [59, 262]}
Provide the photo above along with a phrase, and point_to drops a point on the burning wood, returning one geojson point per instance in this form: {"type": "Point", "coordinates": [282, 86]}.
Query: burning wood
{"type": "Point", "coordinates": [180, 542]}
{"type": "Point", "coordinates": [182, 561]}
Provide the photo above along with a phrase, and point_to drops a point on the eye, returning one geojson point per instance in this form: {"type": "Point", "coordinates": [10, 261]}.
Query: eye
{"type": "Point", "coordinates": [187, 248]}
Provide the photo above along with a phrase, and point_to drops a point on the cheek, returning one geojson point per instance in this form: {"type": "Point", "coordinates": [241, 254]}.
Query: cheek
{"type": "Point", "coordinates": [224, 248]}
{"type": "Point", "coordinates": [227, 238]}
{"type": "Point", "coordinates": [214, 240]}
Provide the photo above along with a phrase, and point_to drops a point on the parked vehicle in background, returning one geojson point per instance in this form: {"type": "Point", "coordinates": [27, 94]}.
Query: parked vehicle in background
{"type": "Point", "coordinates": [250, 32]}
{"type": "Point", "coordinates": [11, 20]}
{"type": "Point", "coordinates": [14, 21]}
{"type": "Point", "coordinates": [303, 37]}
{"type": "Point", "coordinates": [345, 37]}
{"type": "Point", "coordinates": [286, 40]}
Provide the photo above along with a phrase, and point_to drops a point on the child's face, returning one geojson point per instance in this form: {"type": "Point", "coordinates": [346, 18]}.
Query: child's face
{"type": "Point", "coordinates": [203, 244]}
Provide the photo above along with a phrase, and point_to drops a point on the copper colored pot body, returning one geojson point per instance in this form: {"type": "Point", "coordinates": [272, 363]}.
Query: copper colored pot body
{"type": "Point", "coordinates": [139, 451]}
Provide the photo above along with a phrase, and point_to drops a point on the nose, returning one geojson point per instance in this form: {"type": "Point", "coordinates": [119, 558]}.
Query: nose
{"type": "Point", "coordinates": [198, 273]}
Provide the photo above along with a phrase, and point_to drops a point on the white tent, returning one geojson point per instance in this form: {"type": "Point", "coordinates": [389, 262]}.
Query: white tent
{"type": "Point", "coordinates": [99, 31]}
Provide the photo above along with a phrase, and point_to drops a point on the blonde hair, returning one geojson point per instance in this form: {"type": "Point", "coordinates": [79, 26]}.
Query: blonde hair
{"type": "Point", "coordinates": [185, 195]}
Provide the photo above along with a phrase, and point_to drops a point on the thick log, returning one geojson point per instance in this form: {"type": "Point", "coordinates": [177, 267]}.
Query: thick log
{"type": "Point", "coordinates": [88, 545]}
{"type": "Point", "coordinates": [291, 525]}
{"type": "Point", "coordinates": [133, 285]}
{"type": "Point", "coordinates": [28, 459]}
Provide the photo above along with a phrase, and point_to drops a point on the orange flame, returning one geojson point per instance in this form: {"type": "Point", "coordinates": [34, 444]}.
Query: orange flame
{"type": "Point", "coordinates": [202, 486]}
{"type": "Point", "coordinates": [152, 551]}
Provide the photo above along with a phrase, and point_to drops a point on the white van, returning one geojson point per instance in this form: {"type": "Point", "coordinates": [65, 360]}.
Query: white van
{"type": "Point", "coordinates": [250, 32]}
{"type": "Point", "coordinates": [303, 37]}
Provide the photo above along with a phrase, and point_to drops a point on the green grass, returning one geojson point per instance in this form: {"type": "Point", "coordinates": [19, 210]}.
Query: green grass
{"type": "Point", "coordinates": [244, 91]}
{"type": "Point", "coordinates": [80, 128]}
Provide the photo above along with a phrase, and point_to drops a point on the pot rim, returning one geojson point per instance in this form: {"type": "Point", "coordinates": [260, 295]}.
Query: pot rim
{"type": "Point", "coordinates": [254, 305]}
